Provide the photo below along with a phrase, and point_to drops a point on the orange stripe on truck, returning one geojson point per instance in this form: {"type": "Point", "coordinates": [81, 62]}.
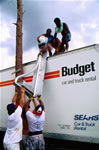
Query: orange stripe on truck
{"type": "Point", "coordinates": [48, 75]}
{"type": "Point", "coordinates": [6, 83]}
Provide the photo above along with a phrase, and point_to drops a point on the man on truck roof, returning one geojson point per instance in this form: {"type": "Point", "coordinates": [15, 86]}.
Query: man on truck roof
{"type": "Point", "coordinates": [65, 32]}
{"type": "Point", "coordinates": [52, 46]}
{"type": "Point", "coordinates": [13, 133]}
{"type": "Point", "coordinates": [48, 37]}
{"type": "Point", "coordinates": [47, 42]}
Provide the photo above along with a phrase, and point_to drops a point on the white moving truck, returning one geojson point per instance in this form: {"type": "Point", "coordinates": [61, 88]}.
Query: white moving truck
{"type": "Point", "coordinates": [70, 94]}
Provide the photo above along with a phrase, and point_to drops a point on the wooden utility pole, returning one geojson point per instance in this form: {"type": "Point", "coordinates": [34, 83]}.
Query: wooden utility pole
{"type": "Point", "coordinates": [18, 63]}
{"type": "Point", "coordinates": [19, 68]}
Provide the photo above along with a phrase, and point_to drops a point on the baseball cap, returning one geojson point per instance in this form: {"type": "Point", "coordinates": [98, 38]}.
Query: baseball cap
{"type": "Point", "coordinates": [38, 110]}
{"type": "Point", "coordinates": [10, 108]}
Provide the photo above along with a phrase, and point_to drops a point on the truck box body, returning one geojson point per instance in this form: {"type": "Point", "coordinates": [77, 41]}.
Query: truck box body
{"type": "Point", "coordinates": [70, 94]}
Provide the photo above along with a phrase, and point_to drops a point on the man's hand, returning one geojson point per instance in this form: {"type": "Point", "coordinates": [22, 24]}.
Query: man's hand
{"type": "Point", "coordinates": [40, 53]}
{"type": "Point", "coordinates": [31, 98]}
{"type": "Point", "coordinates": [38, 98]}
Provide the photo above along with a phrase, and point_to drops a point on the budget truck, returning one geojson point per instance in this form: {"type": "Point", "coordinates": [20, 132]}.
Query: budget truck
{"type": "Point", "coordinates": [70, 94]}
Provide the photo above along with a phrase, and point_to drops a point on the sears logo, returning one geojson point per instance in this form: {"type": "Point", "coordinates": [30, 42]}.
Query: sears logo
{"type": "Point", "coordinates": [85, 117]}
{"type": "Point", "coordinates": [81, 70]}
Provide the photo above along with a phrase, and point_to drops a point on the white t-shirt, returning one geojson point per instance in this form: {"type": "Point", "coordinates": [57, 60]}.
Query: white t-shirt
{"type": "Point", "coordinates": [35, 123]}
{"type": "Point", "coordinates": [14, 130]}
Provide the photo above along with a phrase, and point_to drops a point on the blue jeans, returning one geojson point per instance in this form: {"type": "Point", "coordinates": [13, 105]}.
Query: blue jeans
{"type": "Point", "coordinates": [35, 142]}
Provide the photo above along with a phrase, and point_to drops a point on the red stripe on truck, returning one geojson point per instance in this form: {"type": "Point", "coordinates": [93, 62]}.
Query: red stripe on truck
{"type": "Point", "coordinates": [6, 83]}
{"type": "Point", "coordinates": [48, 75]}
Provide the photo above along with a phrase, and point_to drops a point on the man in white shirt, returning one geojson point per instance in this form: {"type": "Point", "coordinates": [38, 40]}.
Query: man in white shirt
{"type": "Point", "coordinates": [36, 119]}
{"type": "Point", "coordinates": [13, 133]}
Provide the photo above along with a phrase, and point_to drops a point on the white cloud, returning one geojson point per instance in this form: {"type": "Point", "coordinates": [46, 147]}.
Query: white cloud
{"type": "Point", "coordinates": [6, 60]}
{"type": "Point", "coordinates": [83, 27]}
{"type": "Point", "coordinates": [97, 37]}
{"type": "Point", "coordinates": [8, 32]}
{"type": "Point", "coordinates": [83, 4]}
{"type": "Point", "coordinates": [30, 55]}
{"type": "Point", "coordinates": [86, 26]}
{"type": "Point", "coordinates": [77, 41]}
{"type": "Point", "coordinates": [5, 31]}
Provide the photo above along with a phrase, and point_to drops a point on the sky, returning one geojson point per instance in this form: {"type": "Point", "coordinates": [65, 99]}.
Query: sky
{"type": "Point", "coordinates": [81, 16]}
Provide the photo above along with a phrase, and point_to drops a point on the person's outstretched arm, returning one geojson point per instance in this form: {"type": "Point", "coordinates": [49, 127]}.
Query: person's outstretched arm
{"type": "Point", "coordinates": [39, 37]}
{"type": "Point", "coordinates": [21, 101]}
{"type": "Point", "coordinates": [28, 103]}
{"type": "Point", "coordinates": [55, 35]}
{"type": "Point", "coordinates": [15, 98]}
{"type": "Point", "coordinates": [27, 106]}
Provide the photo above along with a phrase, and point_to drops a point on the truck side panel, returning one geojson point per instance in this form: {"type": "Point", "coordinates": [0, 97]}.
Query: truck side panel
{"type": "Point", "coordinates": [72, 99]}
{"type": "Point", "coordinates": [70, 95]}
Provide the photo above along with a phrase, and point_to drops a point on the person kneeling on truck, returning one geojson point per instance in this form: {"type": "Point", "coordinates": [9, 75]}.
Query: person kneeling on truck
{"type": "Point", "coordinates": [13, 134]}
{"type": "Point", "coordinates": [52, 46]}
{"type": "Point", "coordinates": [36, 121]}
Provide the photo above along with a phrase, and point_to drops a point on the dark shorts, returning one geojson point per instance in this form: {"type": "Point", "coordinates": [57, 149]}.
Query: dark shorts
{"type": "Point", "coordinates": [41, 45]}
{"type": "Point", "coordinates": [35, 143]}
{"type": "Point", "coordinates": [66, 37]}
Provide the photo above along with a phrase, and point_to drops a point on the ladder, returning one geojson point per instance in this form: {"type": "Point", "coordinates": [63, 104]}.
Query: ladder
{"type": "Point", "coordinates": [38, 71]}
